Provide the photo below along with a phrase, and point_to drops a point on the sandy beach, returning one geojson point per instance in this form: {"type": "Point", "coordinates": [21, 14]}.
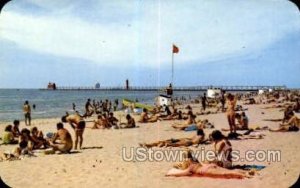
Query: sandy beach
{"type": "Point", "coordinates": [101, 164]}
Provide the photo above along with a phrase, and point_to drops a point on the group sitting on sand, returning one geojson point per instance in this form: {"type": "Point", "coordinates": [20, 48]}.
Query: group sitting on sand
{"type": "Point", "coordinates": [104, 122]}
{"type": "Point", "coordinates": [30, 140]}
{"type": "Point", "coordinates": [145, 118]}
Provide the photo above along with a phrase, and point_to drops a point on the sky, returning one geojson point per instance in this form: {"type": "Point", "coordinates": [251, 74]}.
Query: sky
{"type": "Point", "coordinates": [80, 43]}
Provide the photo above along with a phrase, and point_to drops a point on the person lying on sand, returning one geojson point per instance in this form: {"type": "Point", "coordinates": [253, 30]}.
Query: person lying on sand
{"type": "Point", "coordinates": [192, 167]}
{"type": "Point", "coordinates": [176, 115]}
{"type": "Point", "coordinates": [292, 125]}
{"type": "Point", "coordinates": [65, 143]}
{"type": "Point", "coordinates": [78, 125]}
{"type": "Point", "coordinates": [200, 124]}
{"type": "Point", "coordinates": [130, 122]}
{"type": "Point", "coordinates": [250, 134]}
{"type": "Point", "coordinates": [199, 138]}
{"type": "Point", "coordinates": [144, 118]}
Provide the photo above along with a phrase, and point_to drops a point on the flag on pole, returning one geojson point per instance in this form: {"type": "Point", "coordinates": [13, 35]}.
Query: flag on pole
{"type": "Point", "coordinates": [175, 49]}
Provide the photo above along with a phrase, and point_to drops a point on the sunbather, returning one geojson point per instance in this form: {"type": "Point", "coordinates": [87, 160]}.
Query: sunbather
{"type": "Point", "coordinates": [144, 118]}
{"type": "Point", "coordinates": [191, 167]}
{"type": "Point", "coordinates": [130, 122]}
{"type": "Point", "coordinates": [197, 139]}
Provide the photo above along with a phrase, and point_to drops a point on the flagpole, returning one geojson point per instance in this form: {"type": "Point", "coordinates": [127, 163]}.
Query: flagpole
{"type": "Point", "coordinates": [172, 68]}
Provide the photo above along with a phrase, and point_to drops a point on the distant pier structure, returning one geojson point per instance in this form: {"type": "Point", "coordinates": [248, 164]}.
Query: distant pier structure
{"type": "Point", "coordinates": [52, 86]}
{"type": "Point", "coordinates": [127, 84]}
{"type": "Point", "coordinates": [97, 86]}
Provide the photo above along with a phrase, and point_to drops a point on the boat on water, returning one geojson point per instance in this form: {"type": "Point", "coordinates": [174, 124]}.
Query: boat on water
{"type": "Point", "coordinates": [130, 103]}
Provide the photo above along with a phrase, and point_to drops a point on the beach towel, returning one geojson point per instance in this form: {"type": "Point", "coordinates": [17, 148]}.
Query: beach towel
{"type": "Point", "coordinates": [249, 167]}
{"type": "Point", "coordinates": [192, 127]}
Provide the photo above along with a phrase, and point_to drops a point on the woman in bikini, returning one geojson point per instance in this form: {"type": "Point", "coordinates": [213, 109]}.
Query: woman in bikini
{"type": "Point", "coordinates": [192, 167]}
{"type": "Point", "coordinates": [231, 103]}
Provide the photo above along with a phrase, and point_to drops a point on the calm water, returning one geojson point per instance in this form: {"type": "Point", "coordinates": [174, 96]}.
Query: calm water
{"type": "Point", "coordinates": [56, 103]}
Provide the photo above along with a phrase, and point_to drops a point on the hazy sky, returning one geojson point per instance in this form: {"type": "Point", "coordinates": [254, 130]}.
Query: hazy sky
{"type": "Point", "coordinates": [221, 42]}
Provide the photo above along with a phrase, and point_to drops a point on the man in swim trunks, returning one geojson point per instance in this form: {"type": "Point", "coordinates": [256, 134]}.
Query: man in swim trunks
{"type": "Point", "coordinates": [78, 125]}
{"type": "Point", "coordinates": [27, 113]}
{"type": "Point", "coordinates": [65, 138]}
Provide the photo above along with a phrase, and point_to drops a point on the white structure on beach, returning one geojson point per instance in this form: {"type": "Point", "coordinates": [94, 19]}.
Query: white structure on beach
{"type": "Point", "coordinates": [213, 93]}
{"type": "Point", "coordinates": [163, 100]}
{"type": "Point", "coordinates": [261, 91]}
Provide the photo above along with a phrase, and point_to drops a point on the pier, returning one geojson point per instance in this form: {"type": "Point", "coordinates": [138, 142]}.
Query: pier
{"type": "Point", "coordinates": [179, 88]}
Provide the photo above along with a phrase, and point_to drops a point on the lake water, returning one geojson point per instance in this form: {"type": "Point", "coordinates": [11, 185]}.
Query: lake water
{"type": "Point", "coordinates": [51, 103]}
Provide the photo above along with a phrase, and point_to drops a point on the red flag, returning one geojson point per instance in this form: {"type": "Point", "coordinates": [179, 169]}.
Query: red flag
{"type": "Point", "coordinates": [175, 49]}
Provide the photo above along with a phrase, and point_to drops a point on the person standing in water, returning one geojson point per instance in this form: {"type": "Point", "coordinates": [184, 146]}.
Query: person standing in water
{"type": "Point", "coordinates": [74, 106]}
{"type": "Point", "coordinates": [27, 113]}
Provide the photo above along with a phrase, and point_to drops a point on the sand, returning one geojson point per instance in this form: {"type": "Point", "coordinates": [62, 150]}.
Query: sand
{"type": "Point", "coordinates": [104, 167]}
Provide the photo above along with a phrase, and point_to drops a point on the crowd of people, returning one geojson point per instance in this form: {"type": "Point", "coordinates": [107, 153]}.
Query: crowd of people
{"type": "Point", "coordinates": [27, 141]}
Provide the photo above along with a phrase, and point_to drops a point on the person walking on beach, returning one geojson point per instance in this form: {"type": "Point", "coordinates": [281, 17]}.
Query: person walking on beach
{"type": "Point", "coordinates": [222, 100]}
{"type": "Point", "coordinates": [27, 113]}
{"type": "Point", "coordinates": [231, 103]}
{"type": "Point", "coordinates": [88, 107]}
{"type": "Point", "coordinates": [204, 101]}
